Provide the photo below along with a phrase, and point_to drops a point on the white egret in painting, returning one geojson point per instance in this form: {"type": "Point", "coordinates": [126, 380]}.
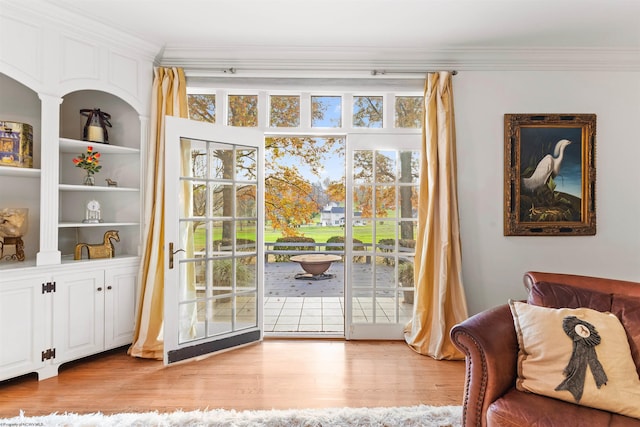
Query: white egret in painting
{"type": "Point", "coordinates": [549, 166]}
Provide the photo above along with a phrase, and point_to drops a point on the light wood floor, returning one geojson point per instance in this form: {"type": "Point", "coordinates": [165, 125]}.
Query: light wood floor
{"type": "Point", "coordinates": [275, 374]}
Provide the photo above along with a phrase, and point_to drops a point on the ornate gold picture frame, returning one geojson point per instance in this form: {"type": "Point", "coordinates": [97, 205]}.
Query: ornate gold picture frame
{"type": "Point", "coordinates": [549, 174]}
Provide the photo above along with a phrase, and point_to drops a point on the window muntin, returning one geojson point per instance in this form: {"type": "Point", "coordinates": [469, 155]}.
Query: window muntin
{"type": "Point", "coordinates": [221, 226]}
{"type": "Point", "coordinates": [385, 195]}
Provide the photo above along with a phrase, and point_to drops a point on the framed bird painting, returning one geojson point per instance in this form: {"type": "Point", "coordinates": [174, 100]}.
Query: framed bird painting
{"type": "Point", "coordinates": [549, 174]}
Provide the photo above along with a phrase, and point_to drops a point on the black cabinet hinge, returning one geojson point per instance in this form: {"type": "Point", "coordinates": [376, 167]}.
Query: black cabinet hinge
{"type": "Point", "coordinates": [49, 353]}
{"type": "Point", "coordinates": [48, 287]}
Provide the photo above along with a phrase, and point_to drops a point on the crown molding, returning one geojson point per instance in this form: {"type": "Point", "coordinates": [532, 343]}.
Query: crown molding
{"type": "Point", "coordinates": [296, 60]}
{"type": "Point", "coordinates": [261, 60]}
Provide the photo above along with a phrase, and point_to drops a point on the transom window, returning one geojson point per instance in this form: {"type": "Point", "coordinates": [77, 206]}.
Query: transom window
{"type": "Point", "coordinates": [308, 111]}
{"type": "Point", "coordinates": [243, 110]}
{"type": "Point", "coordinates": [284, 111]}
{"type": "Point", "coordinates": [367, 111]}
{"type": "Point", "coordinates": [326, 111]}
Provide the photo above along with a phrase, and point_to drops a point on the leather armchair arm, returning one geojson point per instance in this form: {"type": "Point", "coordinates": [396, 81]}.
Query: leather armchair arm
{"type": "Point", "coordinates": [489, 343]}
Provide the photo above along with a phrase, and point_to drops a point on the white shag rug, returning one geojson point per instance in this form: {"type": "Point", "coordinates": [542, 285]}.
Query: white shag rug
{"type": "Point", "coordinates": [422, 415]}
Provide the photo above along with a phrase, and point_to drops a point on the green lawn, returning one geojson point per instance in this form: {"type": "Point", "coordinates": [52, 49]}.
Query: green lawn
{"type": "Point", "coordinates": [319, 234]}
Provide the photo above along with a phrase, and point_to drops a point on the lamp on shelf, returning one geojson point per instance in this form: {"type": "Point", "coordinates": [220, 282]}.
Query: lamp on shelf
{"type": "Point", "coordinates": [13, 225]}
{"type": "Point", "coordinates": [95, 129]}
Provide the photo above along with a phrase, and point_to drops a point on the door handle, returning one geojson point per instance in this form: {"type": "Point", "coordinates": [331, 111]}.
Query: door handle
{"type": "Point", "coordinates": [172, 253]}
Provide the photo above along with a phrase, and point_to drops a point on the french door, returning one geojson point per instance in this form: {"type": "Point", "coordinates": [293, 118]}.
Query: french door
{"type": "Point", "coordinates": [213, 238]}
{"type": "Point", "coordinates": [380, 231]}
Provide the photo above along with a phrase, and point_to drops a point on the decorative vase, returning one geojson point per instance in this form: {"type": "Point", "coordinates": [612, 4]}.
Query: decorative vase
{"type": "Point", "coordinates": [89, 180]}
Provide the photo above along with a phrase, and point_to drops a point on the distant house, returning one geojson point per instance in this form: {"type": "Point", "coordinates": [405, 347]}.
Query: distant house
{"type": "Point", "coordinates": [332, 215]}
{"type": "Point", "coordinates": [335, 215]}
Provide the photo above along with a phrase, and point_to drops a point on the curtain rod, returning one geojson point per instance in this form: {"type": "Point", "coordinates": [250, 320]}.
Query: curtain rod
{"type": "Point", "coordinates": [305, 73]}
{"type": "Point", "coordinates": [384, 72]}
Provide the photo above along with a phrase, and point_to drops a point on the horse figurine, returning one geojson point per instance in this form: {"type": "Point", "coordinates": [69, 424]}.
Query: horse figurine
{"type": "Point", "coordinates": [104, 250]}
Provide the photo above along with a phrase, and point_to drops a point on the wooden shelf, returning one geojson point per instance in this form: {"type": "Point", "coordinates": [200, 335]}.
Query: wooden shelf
{"type": "Point", "coordinates": [14, 264]}
{"type": "Point", "coordinates": [68, 259]}
{"type": "Point", "coordinates": [93, 188]}
{"type": "Point", "coordinates": [19, 172]}
{"type": "Point", "coordinates": [75, 146]}
{"type": "Point", "coordinates": [101, 224]}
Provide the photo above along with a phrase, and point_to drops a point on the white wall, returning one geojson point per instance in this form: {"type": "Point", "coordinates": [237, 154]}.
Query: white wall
{"type": "Point", "coordinates": [493, 264]}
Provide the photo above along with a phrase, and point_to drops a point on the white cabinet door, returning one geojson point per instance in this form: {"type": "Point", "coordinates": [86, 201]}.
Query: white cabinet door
{"type": "Point", "coordinates": [22, 326]}
{"type": "Point", "coordinates": [78, 314]}
{"type": "Point", "coordinates": [120, 306]}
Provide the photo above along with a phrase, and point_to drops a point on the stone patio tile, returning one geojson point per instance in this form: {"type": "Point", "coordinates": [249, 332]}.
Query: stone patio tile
{"type": "Point", "coordinates": [310, 312]}
{"type": "Point", "coordinates": [332, 320]}
{"type": "Point", "coordinates": [314, 327]}
{"type": "Point", "coordinates": [288, 320]}
{"type": "Point", "coordinates": [291, 311]}
{"type": "Point", "coordinates": [312, 303]}
{"type": "Point", "coordinates": [311, 320]}
{"type": "Point", "coordinates": [285, 328]}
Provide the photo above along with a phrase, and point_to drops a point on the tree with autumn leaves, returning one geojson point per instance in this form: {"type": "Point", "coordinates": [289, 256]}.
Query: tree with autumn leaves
{"type": "Point", "coordinates": [290, 199]}
{"type": "Point", "coordinates": [364, 165]}
{"type": "Point", "coordinates": [409, 113]}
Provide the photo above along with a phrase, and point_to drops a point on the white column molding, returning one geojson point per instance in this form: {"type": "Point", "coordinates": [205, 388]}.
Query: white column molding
{"type": "Point", "coordinates": [49, 253]}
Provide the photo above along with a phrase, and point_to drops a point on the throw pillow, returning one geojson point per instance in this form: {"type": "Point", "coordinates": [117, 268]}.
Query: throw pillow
{"type": "Point", "coordinates": [627, 309]}
{"type": "Point", "coordinates": [577, 355]}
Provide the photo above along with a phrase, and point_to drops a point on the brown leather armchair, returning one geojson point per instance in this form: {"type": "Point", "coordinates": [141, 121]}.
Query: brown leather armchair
{"type": "Point", "coordinates": [489, 343]}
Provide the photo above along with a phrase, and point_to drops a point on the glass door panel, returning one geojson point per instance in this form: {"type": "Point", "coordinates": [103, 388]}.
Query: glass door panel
{"type": "Point", "coordinates": [382, 214]}
{"type": "Point", "coordinates": [213, 210]}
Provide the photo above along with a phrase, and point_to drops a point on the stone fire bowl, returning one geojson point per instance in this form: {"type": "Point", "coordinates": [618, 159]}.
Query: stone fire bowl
{"type": "Point", "coordinates": [315, 264]}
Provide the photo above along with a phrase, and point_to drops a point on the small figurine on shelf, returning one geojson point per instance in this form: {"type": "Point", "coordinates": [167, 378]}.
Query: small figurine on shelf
{"type": "Point", "coordinates": [95, 130]}
{"type": "Point", "coordinates": [90, 162]}
{"type": "Point", "coordinates": [111, 183]}
{"type": "Point", "coordinates": [103, 250]}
